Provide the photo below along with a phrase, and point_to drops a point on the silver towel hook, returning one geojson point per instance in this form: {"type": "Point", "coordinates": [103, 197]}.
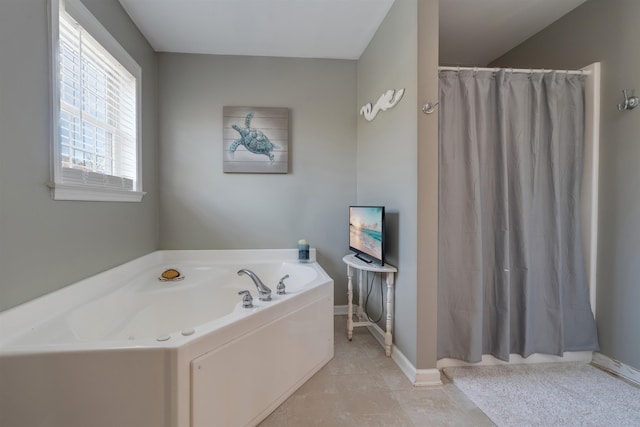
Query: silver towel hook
{"type": "Point", "coordinates": [429, 108]}
{"type": "Point", "coordinates": [630, 102]}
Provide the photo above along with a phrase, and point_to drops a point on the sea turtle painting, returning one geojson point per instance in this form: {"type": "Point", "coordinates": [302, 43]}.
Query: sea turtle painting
{"type": "Point", "coordinates": [254, 140]}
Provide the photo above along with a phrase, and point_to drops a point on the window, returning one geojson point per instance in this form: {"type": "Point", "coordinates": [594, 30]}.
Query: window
{"type": "Point", "coordinates": [96, 86]}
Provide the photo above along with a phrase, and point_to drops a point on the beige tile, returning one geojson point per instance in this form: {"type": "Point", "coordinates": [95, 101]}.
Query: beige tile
{"type": "Point", "coordinates": [370, 347]}
{"type": "Point", "coordinates": [396, 419]}
{"type": "Point", "coordinates": [459, 397]}
{"type": "Point", "coordinates": [433, 405]}
{"type": "Point", "coordinates": [436, 407]}
{"type": "Point", "coordinates": [395, 379]}
{"type": "Point", "coordinates": [381, 361]}
{"type": "Point", "coordinates": [475, 417]}
{"type": "Point", "coordinates": [349, 365]}
{"type": "Point", "coordinates": [316, 410]}
{"type": "Point", "coordinates": [320, 384]}
{"type": "Point", "coordinates": [373, 402]}
{"type": "Point", "coordinates": [278, 418]}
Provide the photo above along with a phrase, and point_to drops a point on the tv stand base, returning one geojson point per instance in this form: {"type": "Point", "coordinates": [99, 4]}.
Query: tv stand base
{"type": "Point", "coordinates": [354, 262]}
{"type": "Point", "coordinates": [368, 261]}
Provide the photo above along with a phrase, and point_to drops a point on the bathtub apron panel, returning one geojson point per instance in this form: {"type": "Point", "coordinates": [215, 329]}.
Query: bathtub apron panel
{"type": "Point", "coordinates": [258, 375]}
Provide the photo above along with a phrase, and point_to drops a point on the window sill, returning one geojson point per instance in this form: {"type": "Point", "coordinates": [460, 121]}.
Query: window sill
{"type": "Point", "coordinates": [93, 194]}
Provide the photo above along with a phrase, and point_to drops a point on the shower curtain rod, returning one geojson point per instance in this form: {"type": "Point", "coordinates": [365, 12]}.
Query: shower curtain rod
{"type": "Point", "coordinates": [513, 70]}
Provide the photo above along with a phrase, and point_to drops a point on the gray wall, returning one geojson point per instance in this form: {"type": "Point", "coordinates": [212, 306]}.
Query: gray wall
{"type": "Point", "coordinates": [388, 164]}
{"type": "Point", "coordinates": [204, 208]}
{"type": "Point", "coordinates": [47, 244]}
{"type": "Point", "coordinates": [606, 31]}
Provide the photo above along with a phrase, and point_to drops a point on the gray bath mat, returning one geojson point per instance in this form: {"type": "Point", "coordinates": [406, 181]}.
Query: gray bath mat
{"type": "Point", "coordinates": [553, 394]}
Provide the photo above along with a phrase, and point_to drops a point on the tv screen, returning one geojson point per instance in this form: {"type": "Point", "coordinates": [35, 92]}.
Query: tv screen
{"type": "Point", "coordinates": [366, 233]}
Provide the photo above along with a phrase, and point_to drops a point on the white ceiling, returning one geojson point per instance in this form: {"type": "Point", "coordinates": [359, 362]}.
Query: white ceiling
{"type": "Point", "coordinates": [472, 32]}
{"type": "Point", "coordinates": [291, 28]}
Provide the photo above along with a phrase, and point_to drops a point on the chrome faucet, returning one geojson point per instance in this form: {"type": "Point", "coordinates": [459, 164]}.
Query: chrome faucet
{"type": "Point", "coordinates": [247, 299]}
{"type": "Point", "coordinates": [281, 287]}
{"type": "Point", "coordinates": [263, 290]}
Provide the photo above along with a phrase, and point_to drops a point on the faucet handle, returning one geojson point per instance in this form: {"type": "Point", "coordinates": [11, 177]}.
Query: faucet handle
{"type": "Point", "coordinates": [280, 288]}
{"type": "Point", "coordinates": [247, 299]}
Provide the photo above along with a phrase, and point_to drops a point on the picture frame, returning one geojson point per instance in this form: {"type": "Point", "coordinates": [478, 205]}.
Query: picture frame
{"type": "Point", "coordinates": [255, 140]}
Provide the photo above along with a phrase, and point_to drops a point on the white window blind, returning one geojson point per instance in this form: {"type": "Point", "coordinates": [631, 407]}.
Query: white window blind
{"type": "Point", "coordinates": [96, 153]}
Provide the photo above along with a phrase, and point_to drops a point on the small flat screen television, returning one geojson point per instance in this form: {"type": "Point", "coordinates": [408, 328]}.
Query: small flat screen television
{"type": "Point", "coordinates": [366, 233]}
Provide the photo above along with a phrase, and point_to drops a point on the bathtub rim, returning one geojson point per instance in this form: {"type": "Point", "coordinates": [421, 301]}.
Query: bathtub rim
{"type": "Point", "coordinates": [16, 321]}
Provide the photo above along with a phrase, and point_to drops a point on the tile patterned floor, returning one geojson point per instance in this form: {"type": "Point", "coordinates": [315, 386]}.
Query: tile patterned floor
{"type": "Point", "coordinates": [363, 387]}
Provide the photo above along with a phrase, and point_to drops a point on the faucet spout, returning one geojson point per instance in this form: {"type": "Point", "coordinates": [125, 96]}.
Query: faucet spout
{"type": "Point", "coordinates": [263, 290]}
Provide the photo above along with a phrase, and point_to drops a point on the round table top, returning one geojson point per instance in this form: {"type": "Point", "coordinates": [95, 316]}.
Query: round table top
{"type": "Point", "coordinates": [362, 265]}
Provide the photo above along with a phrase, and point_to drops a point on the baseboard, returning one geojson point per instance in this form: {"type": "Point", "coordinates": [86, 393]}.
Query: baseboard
{"type": "Point", "coordinates": [417, 377]}
{"type": "Point", "coordinates": [616, 367]}
{"type": "Point", "coordinates": [515, 359]}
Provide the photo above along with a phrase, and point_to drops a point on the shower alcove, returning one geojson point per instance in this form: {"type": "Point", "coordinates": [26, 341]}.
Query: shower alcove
{"type": "Point", "coordinates": [588, 216]}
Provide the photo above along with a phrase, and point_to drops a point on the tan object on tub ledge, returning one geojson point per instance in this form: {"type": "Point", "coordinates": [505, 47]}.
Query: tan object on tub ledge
{"type": "Point", "coordinates": [170, 274]}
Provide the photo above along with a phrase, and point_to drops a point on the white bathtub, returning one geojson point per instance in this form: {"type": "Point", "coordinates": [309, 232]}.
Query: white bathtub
{"type": "Point", "coordinates": [124, 349]}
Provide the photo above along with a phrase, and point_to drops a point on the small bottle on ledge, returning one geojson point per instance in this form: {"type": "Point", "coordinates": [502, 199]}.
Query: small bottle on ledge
{"type": "Point", "coordinates": [303, 251]}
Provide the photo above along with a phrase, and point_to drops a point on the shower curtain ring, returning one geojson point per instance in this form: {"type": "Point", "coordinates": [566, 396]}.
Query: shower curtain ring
{"type": "Point", "coordinates": [429, 108]}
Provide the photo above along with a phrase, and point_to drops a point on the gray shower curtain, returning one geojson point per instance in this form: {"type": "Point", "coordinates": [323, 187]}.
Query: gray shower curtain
{"type": "Point", "coordinates": [511, 272]}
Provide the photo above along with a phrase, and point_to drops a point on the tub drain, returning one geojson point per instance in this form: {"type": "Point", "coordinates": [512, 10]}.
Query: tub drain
{"type": "Point", "coordinates": [170, 275]}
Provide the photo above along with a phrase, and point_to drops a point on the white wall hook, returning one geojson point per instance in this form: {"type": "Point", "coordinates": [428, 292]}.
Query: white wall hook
{"type": "Point", "coordinates": [387, 100]}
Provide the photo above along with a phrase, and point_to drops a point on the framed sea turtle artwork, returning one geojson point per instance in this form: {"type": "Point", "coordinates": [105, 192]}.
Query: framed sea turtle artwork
{"type": "Point", "coordinates": [255, 140]}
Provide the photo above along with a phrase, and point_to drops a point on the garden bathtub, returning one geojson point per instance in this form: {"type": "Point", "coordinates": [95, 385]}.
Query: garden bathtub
{"type": "Point", "coordinates": [124, 348]}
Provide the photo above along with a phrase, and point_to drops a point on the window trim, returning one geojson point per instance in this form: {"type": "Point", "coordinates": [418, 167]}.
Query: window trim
{"type": "Point", "coordinates": [87, 192]}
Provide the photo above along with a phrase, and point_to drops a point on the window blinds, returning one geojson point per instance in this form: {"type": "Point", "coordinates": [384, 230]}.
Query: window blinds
{"type": "Point", "coordinates": [97, 124]}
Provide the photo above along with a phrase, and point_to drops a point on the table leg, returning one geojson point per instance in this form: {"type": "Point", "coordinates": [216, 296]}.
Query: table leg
{"type": "Point", "coordinates": [388, 338]}
{"type": "Point", "coordinates": [360, 280]}
{"type": "Point", "coordinates": [349, 302]}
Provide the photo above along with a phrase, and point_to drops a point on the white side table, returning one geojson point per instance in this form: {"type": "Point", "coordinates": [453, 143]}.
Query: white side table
{"type": "Point", "coordinates": [389, 271]}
